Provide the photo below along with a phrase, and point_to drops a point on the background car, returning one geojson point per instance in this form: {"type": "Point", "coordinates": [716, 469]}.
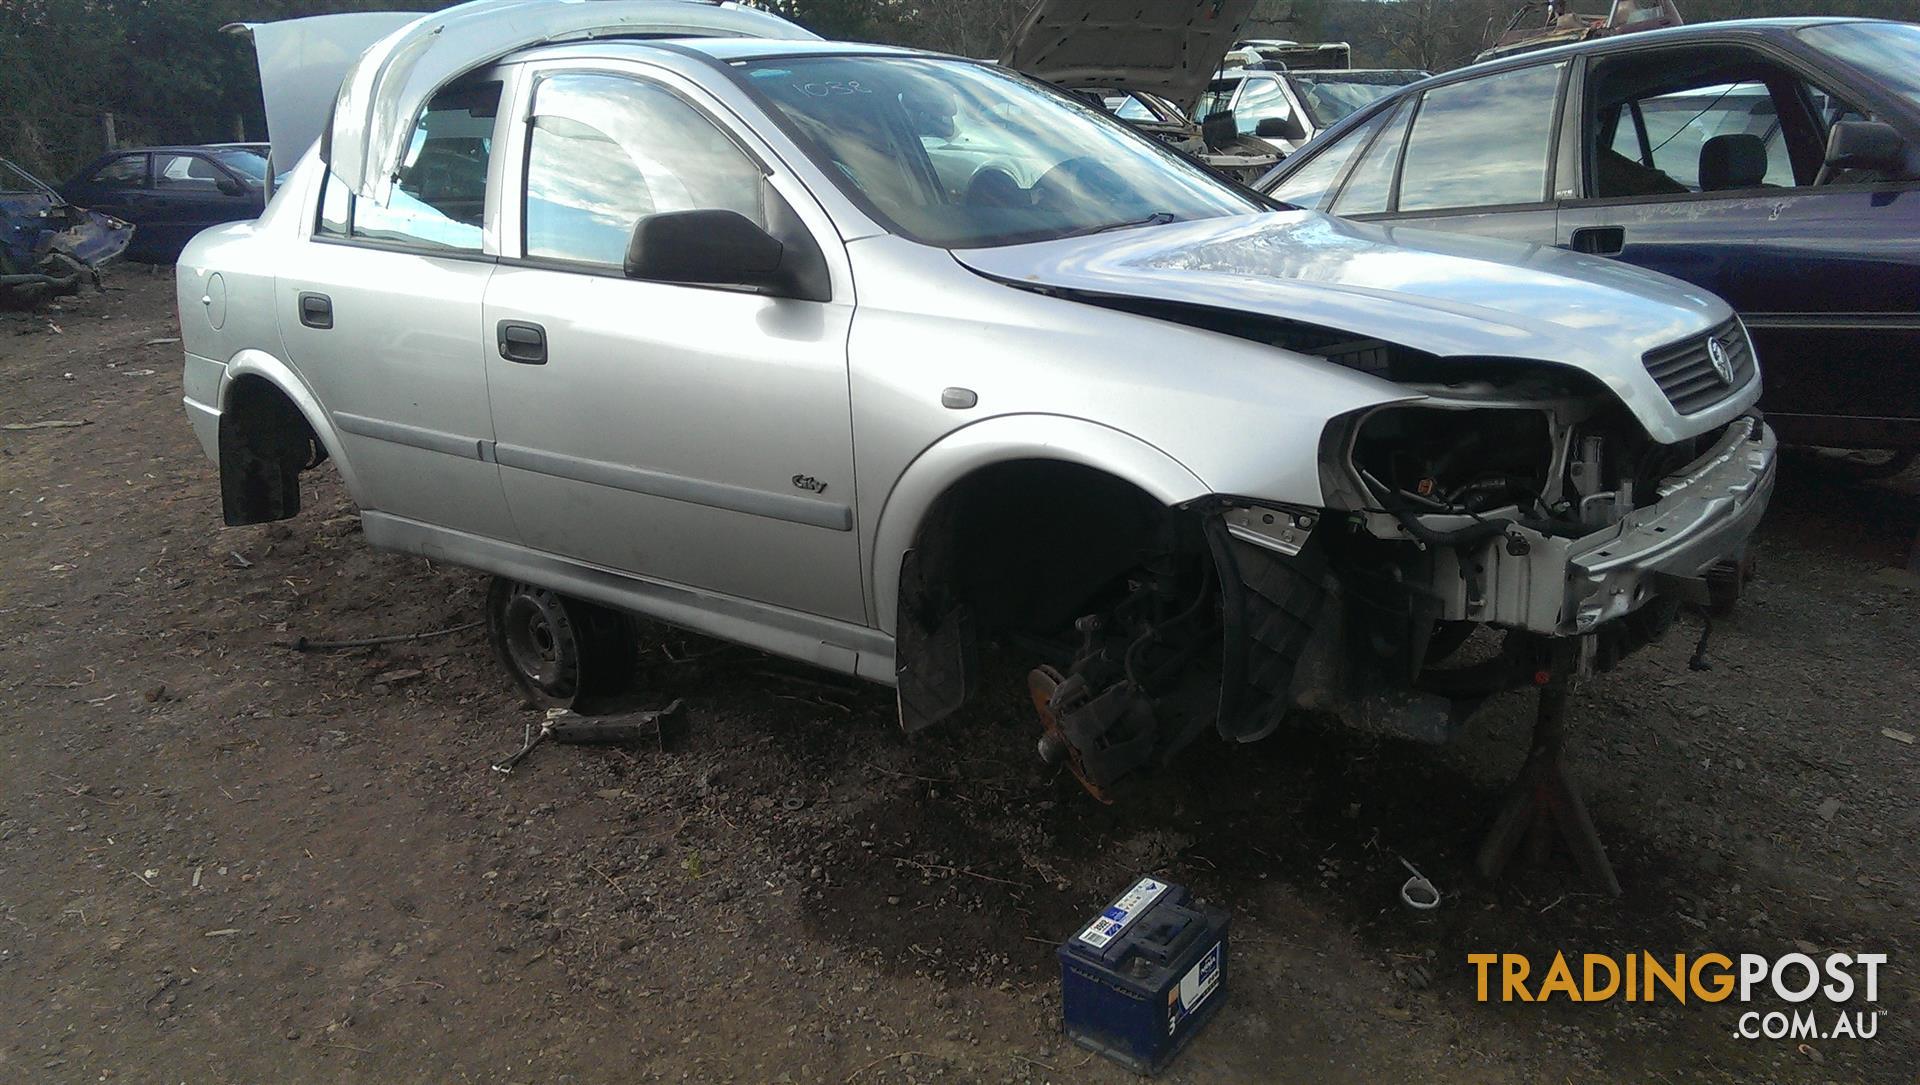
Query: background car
{"type": "Point", "coordinates": [1774, 163]}
{"type": "Point", "coordinates": [1287, 108]}
{"type": "Point", "coordinates": [172, 193]}
{"type": "Point", "coordinates": [47, 245]}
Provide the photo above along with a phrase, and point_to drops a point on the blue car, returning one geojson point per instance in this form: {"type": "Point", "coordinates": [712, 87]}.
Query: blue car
{"type": "Point", "coordinates": [48, 247]}
{"type": "Point", "coordinates": [172, 193]}
{"type": "Point", "coordinates": [1775, 163]}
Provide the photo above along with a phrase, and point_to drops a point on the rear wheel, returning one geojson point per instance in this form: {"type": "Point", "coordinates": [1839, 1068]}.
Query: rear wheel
{"type": "Point", "coordinates": [561, 652]}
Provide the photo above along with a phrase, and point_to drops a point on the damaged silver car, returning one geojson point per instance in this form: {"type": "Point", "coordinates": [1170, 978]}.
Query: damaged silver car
{"type": "Point", "coordinates": [887, 362]}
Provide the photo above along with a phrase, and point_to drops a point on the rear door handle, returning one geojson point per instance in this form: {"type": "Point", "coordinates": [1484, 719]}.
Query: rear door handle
{"type": "Point", "coordinates": [316, 311]}
{"type": "Point", "coordinates": [1599, 240]}
{"type": "Point", "coordinates": [523, 343]}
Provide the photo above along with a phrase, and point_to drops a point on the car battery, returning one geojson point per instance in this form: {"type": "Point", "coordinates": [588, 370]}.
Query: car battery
{"type": "Point", "coordinates": [1144, 976]}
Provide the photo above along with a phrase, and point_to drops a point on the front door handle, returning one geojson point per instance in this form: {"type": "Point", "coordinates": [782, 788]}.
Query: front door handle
{"type": "Point", "coordinates": [316, 311]}
{"type": "Point", "coordinates": [523, 343]}
{"type": "Point", "coordinates": [1599, 240]}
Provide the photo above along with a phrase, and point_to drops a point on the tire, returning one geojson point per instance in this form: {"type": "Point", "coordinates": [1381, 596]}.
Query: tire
{"type": "Point", "coordinates": [560, 652]}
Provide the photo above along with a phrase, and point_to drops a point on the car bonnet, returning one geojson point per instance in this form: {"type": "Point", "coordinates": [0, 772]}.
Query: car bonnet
{"type": "Point", "coordinates": [1449, 295]}
{"type": "Point", "coordinates": [1169, 47]}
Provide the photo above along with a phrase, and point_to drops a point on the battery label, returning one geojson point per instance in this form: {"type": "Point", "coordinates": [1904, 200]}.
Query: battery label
{"type": "Point", "coordinates": [1199, 982]}
{"type": "Point", "coordinates": [1122, 912]}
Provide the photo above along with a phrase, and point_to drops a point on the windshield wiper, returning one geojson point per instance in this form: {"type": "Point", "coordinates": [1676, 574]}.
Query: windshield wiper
{"type": "Point", "coordinates": [1158, 218]}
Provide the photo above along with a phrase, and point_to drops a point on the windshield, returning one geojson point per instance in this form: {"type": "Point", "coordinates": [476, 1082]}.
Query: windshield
{"type": "Point", "coordinates": [1889, 52]}
{"type": "Point", "coordinates": [963, 155]}
{"type": "Point", "coordinates": [15, 179]}
{"type": "Point", "coordinates": [1334, 96]}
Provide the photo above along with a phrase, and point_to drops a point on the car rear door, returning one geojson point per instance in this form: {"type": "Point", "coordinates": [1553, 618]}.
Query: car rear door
{"type": "Point", "coordinates": [694, 436]}
{"type": "Point", "coordinates": [1478, 157]}
{"type": "Point", "coordinates": [381, 314]}
{"type": "Point", "coordinates": [1711, 179]}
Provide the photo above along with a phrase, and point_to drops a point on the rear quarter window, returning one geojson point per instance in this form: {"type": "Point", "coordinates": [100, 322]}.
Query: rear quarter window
{"type": "Point", "coordinates": [1310, 186]}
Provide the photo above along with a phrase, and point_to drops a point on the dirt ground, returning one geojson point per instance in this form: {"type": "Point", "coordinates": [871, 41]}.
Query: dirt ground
{"type": "Point", "coordinates": [222, 860]}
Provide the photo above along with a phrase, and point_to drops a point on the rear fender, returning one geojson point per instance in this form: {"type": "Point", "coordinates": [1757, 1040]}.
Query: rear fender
{"type": "Point", "coordinates": [258, 363]}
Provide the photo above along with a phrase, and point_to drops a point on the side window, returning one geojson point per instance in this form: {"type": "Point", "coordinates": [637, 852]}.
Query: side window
{"type": "Point", "coordinates": [1309, 186]}
{"type": "Point", "coordinates": [1370, 190]}
{"type": "Point", "coordinates": [608, 150]}
{"type": "Point", "coordinates": [1682, 137]}
{"type": "Point", "coordinates": [1262, 99]}
{"type": "Point", "coordinates": [185, 173]}
{"type": "Point", "coordinates": [127, 171]}
{"type": "Point", "coordinates": [439, 200]}
{"type": "Point", "coordinates": [336, 209]}
{"type": "Point", "coordinates": [1717, 137]}
{"type": "Point", "coordinates": [1482, 143]}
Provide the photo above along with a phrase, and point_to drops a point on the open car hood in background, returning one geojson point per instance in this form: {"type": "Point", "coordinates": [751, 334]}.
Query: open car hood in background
{"type": "Point", "coordinates": [381, 96]}
{"type": "Point", "coordinates": [1170, 47]}
{"type": "Point", "coordinates": [301, 64]}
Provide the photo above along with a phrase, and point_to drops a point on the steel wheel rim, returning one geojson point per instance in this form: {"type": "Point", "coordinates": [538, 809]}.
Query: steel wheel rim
{"type": "Point", "coordinates": [541, 643]}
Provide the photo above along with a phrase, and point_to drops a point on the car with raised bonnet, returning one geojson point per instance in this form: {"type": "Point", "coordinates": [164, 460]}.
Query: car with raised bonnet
{"type": "Point", "coordinates": [669, 308]}
{"type": "Point", "coordinates": [1773, 162]}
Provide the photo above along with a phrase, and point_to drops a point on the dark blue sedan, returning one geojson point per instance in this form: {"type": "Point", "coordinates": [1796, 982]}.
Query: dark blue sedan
{"type": "Point", "coordinates": [1775, 163]}
{"type": "Point", "coordinates": [171, 193]}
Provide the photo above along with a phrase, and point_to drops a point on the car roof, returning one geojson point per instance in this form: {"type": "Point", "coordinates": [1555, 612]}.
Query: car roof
{"type": "Point", "coordinates": [177, 148]}
{"type": "Point", "coordinates": [1756, 28]}
{"type": "Point", "coordinates": [722, 50]}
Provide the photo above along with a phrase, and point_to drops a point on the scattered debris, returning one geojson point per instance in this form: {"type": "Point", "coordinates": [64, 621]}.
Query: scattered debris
{"type": "Point", "coordinates": [1897, 736]}
{"type": "Point", "coordinates": [160, 342]}
{"type": "Point", "coordinates": [54, 423]}
{"type": "Point", "coordinates": [305, 645]}
{"type": "Point", "coordinates": [240, 561]}
{"type": "Point", "coordinates": [227, 932]}
{"type": "Point", "coordinates": [563, 726]}
{"type": "Point", "coordinates": [1419, 892]}
{"type": "Point", "coordinates": [1828, 807]}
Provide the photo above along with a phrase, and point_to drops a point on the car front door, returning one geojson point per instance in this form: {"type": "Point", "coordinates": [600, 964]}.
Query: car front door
{"type": "Point", "coordinates": [693, 436]}
{"type": "Point", "coordinates": [381, 314]}
{"type": "Point", "coordinates": [1702, 163]}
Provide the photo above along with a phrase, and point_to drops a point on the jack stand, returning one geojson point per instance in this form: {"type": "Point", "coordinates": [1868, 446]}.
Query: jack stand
{"type": "Point", "coordinates": [1545, 798]}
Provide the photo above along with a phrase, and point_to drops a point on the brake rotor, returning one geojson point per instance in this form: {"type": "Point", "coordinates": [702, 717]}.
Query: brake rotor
{"type": "Point", "coordinates": [1053, 696]}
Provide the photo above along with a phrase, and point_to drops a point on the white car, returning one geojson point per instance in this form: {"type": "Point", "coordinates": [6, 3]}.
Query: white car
{"type": "Point", "coordinates": [669, 308]}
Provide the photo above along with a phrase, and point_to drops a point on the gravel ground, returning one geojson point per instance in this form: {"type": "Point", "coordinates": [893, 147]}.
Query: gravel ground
{"type": "Point", "coordinates": [225, 861]}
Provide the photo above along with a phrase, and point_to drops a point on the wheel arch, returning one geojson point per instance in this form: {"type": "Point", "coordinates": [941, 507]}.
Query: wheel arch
{"type": "Point", "coordinates": [251, 368]}
{"type": "Point", "coordinates": [947, 465]}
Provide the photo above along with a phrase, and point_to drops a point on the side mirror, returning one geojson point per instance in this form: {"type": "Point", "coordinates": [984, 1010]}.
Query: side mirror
{"type": "Point", "coordinates": [229, 186]}
{"type": "Point", "coordinates": [1865, 145]}
{"type": "Point", "coordinates": [712, 248]}
{"type": "Point", "coordinates": [1287, 128]}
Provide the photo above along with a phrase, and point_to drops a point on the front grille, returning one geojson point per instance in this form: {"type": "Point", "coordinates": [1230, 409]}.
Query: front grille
{"type": "Point", "coordinates": [1686, 373]}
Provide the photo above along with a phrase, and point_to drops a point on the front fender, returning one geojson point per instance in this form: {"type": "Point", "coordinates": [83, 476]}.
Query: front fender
{"type": "Point", "coordinates": [258, 363]}
{"type": "Point", "coordinates": [1005, 439]}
